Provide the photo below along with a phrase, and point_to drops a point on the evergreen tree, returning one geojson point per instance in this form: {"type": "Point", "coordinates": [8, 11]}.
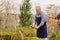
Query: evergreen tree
{"type": "Point", "coordinates": [25, 16]}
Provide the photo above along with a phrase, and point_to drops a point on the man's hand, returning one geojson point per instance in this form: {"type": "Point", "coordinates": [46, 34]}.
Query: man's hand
{"type": "Point", "coordinates": [33, 26]}
{"type": "Point", "coordinates": [37, 27]}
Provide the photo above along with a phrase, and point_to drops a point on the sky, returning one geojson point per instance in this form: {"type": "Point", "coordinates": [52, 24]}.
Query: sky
{"type": "Point", "coordinates": [42, 3]}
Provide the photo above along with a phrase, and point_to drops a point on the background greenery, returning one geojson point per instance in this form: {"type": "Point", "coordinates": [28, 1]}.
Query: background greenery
{"type": "Point", "coordinates": [25, 16]}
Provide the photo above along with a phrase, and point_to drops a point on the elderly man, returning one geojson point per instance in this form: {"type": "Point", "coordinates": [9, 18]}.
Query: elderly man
{"type": "Point", "coordinates": [40, 24]}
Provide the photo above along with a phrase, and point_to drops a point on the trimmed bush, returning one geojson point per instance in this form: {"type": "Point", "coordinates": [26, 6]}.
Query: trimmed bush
{"type": "Point", "coordinates": [22, 32]}
{"type": "Point", "coordinates": [27, 31]}
{"type": "Point", "coordinates": [32, 38]}
{"type": "Point", "coordinates": [18, 34]}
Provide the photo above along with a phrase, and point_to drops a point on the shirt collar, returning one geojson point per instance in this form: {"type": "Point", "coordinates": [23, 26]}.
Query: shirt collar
{"type": "Point", "coordinates": [38, 15]}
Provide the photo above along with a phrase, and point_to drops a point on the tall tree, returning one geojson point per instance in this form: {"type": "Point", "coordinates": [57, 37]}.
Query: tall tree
{"type": "Point", "coordinates": [25, 16]}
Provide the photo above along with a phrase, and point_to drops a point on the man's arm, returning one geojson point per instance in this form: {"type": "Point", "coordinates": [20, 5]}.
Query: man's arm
{"type": "Point", "coordinates": [44, 19]}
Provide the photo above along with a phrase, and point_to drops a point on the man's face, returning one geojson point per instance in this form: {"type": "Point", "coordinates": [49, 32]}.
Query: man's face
{"type": "Point", "coordinates": [38, 10]}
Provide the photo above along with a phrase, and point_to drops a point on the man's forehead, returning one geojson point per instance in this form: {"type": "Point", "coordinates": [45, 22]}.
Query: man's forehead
{"type": "Point", "coordinates": [38, 7]}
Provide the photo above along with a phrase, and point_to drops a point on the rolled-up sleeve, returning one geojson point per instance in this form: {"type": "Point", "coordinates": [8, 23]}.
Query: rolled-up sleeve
{"type": "Point", "coordinates": [43, 19]}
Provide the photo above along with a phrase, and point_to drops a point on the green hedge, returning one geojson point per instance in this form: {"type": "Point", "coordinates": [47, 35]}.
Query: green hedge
{"type": "Point", "coordinates": [19, 33]}
{"type": "Point", "coordinates": [27, 31]}
{"type": "Point", "coordinates": [32, 38]}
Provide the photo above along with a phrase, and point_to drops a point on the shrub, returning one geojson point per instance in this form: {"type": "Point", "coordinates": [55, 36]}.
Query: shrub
{"type": "Point", "coordinates": [32, 38]}
{"type": "Point", "coordinates": [5, 35]}
{"type": "Point", "coordinates": [22, 32]}
{"type": "Point", "coordinates": [53, 36]}
{"type": "Point", "coordinates": [16, 36]}
{"type": "Point", "coordinates": [27, 31]}
{"type": "Point", "coordinates": [58, 37]}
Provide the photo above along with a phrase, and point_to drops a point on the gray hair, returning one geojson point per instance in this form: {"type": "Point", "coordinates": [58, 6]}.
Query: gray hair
{"type": "Point", "coordinates": [37, 7]}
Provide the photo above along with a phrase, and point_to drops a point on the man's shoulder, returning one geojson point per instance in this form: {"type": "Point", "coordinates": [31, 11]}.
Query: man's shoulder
{"type": "Point", "coordinates": [42, 13]}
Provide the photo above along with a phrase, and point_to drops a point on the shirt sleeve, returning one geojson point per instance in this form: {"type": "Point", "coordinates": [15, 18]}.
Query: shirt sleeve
{"type": "Point", "coordinates": [43, 20]}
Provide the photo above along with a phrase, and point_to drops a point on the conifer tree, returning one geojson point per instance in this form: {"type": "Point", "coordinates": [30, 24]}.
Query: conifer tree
{"type": "Point", "coordinates": [25, 16]}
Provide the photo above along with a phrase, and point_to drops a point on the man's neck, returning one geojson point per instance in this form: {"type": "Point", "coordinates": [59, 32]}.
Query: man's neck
{"type": "Point", "coordinates": [38, 14]}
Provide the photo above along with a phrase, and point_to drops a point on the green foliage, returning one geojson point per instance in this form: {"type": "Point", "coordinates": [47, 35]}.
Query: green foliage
{"type": "Point", "coordinates": [32, 38]}
{"type": "Point", "coordinates": [58, 37]}
{"type": "Point", "coordinates": [6, 33]}
{"type": "Point", "coordinates": [20, 33]}
{"type": "Point", "coordinates": [56, 34]}
{"type": "Point", "coordinates": [25, 16]}
{"type": "Point", "coordinates": [53, 36]}
{"type": "Point", "coordinates": [27, 31]}
{"type": "Point", "coordinates": [24, 33]}
{"type": "Point", "coordinates": [16, 36]}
